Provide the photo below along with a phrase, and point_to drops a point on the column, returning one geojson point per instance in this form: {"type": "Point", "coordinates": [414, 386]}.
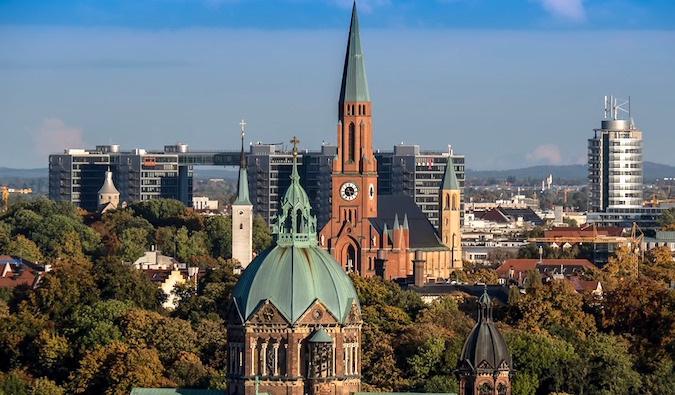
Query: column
{"type": "Point", "coordinates": [356, 358]}
{"type": "Point", "coordinates": [241, 359]}
{"type": "Point", "coordinates": [276, 359]}
{"type": "Point", "coordinates": [332, 368]}
{"type": "Point", "coordinates": [263, 357]}
{"type": "Point", "coordinates": [346, 354]}
{"type": "Point", "coordinates": [253, 344]}
{"type": "Point", "coordinates": [299, 358]}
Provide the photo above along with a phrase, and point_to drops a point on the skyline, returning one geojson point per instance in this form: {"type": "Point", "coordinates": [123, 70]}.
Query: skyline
{"type": "Point", "coordinates": [149, 82]}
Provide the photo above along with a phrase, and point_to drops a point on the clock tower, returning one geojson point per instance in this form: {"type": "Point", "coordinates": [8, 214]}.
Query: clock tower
{"type": "Point", "coordinates": [354, 175]}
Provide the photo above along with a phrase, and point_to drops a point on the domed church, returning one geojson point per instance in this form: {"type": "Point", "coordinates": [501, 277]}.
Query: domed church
{"type": "Point", "coordinates": [484, 366]}
{"type": "Point", "coordinates": [294, 319]}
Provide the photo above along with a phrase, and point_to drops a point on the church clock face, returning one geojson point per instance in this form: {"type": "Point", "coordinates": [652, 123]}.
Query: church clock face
{"type": "Point", "coordinates": [349, 191]}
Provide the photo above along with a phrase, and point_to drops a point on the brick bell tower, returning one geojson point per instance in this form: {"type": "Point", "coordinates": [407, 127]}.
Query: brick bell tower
{"type": "Point", "coordinates": [354, 176]}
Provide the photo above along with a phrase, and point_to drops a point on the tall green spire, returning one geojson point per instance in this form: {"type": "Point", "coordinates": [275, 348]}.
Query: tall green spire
{"type": "Point", "coordinates": [450, 178]}
{"type": "Point", "coordinates": [354, 82]}
{"type": "Point", "coordinates": [295, 226]}
{"type": "Point", "coordinates": [242, 185]}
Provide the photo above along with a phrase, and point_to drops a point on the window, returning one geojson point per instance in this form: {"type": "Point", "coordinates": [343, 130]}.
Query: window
{"type": "Point", "coordinates": [352, 143]}
{"type": "Point", "coordinates": [485, 389]}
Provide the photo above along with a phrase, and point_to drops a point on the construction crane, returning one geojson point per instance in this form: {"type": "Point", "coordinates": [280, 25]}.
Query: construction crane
{"type": "Point", "coordinates": [635, 241]}
{"type": "Point", "coordinates": [5, 195]}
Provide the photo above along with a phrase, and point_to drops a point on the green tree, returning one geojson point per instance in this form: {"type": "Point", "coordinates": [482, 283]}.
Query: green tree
{"type": "Point", "coordinates": [117, 280]}
{"type": "Point", "coordinates": [45, 386]}
{"type": "Point", "coordinates": [12, 384]}
{"type": "Point", "coordinates": [68, 285]}
{"type": "Point", "coordinates": [24, 248]}
{"type": "Point", "coordinates": [169, 336]}
{"type": "Point", "coordinates": [92, 326]}
{"type": "Point", "coordinates": [133, 243]}
{"type": "Point", "coordinates": [190, 245]}
{"type": "Point", "coordinates": [50, 351]}
{"type": "Point", "coordinates": [261, 235]}
{"type": "Point", "coordinates": [116, 368]}
{"type": "Point", "coordinates": [551, 361]}
{"type": "Point", "coordinates": [635, 308]}
{"type": "Point", "coordinates": [218, 229]}
{"type": "Point", "coordinates": [667, 219]}
{"type": "Point", "coordinates": [188, 371]}
{"type": "Point", "coordinates": [555, 308]}
{"type": "Point", "coordinates": [606, 366]}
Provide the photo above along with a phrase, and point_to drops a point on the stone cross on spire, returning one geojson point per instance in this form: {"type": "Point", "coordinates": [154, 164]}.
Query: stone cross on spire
{"type": "Point", "coordinates": [295, 142]}
{"type": "Point", "coordinates": [242, 123]}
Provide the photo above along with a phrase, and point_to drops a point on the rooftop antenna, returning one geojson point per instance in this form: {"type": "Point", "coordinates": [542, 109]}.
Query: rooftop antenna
{"type": "Point", "coordinates": [605, 106]}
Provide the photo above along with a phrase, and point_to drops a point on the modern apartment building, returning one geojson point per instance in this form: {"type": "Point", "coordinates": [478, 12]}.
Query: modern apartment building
{"type": "Point", "coordinates": [77, 174]}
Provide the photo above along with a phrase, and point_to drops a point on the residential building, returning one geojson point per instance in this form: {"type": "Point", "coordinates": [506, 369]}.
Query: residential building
{"type": "Point", "coordinates": [77, 175]}
{"type": "Point", "coordinates": [203, 203]}
{"type": "Point", "coordinates": [513, 270]}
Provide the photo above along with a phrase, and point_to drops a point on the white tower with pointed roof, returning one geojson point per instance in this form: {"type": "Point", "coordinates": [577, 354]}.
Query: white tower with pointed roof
{"type": "Point", "coordinates": [242, 214]}
{"type": "Point", "coordinates": [108, 195]}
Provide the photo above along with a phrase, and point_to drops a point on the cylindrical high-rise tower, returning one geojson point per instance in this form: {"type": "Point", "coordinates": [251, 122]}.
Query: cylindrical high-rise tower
{"type": "Point", "coordinates": [615, 162]}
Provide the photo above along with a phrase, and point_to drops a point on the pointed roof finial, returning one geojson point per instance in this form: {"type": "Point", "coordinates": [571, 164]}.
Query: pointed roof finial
{"type": "Point", "coordinates": [396, 224]}
{"type": "Point", "coordinates": [354, 86]}
{"type": "Point", "coordinates": [242, 158]}
{"type": "Point", "coordinates": [449, 177]}
{"type": "Point", "coordinates": [242, 183]}
{"type": "Point", "coordinates": [405, 221]}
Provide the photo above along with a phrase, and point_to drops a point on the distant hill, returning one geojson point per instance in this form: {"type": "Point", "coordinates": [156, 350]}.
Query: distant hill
{"type": "Point", "coordinates": [7, 172]}
{"type": "Point", "coordinates": [652, 171]}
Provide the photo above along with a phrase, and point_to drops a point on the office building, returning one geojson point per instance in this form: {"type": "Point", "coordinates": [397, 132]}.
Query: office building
{"type": "Point", "coordinates": [77, 175]}
{"type": "Point", "coordinates": [615, 170]}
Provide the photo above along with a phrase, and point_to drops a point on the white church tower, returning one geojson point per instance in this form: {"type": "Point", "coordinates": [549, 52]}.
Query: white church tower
{"type": "Point", "coordinates": [242, 215]}
{"type": "Point", "coordinates": [108, 195]}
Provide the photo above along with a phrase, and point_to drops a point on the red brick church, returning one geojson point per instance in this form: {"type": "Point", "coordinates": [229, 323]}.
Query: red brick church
{"type": "Point", "coordinates": [379, 235]}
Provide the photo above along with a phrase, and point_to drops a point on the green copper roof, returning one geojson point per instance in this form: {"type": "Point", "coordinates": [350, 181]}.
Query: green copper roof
{"type": "Point", "coordinates": [174, 391]}
{"type": "Point", "coordinates": [292, 278]}
{"type": "Point", "coordinates": [449, 177]}
{"type": "Point", "coordinates": [354, 82]}
{"type": "Point", "coordinates": [320, 336]}
{"type": "Point", "coordinates": [242, 187]}
{"type": "Point", "coordinates": [295, 272]}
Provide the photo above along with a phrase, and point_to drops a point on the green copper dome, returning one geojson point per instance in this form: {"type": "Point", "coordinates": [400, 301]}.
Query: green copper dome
{"type": "Point", "coordinates": [295, 271]}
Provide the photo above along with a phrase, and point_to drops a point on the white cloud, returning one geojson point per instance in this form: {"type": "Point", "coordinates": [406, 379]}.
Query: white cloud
{"type": "Point", "coordinates": [572, 10]}
{"type": "Point", "coordinates": [546, 153]}
{"type": "Point", "coordinates": [53, 136]}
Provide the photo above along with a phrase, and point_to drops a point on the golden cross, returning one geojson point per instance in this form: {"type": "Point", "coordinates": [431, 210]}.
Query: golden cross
{"type": "Point", "coordinates": [295, 142]}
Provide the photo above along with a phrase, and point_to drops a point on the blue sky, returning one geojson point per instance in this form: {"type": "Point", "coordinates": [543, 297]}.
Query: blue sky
{"type": "Point", "coordinates": [508, 83]}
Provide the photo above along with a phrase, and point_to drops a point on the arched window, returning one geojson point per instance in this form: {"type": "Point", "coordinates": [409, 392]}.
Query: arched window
{"type": "Point", "coordinates": [353, 110]}
{"type": "Point", "coordinates": [298, 221]}
{"type": "Point", "coordinates": [485, 389]}
{"type": "Point", "coordinates": [447, 202]}
{"type": "Point", "coordinates": [454, 202]}
{"type": "Point", "coordinates": [501, 389]}
{"type": "Point", "coordinates": [352, 142]}
{"type": "Point", "coordinates": [241, 226]}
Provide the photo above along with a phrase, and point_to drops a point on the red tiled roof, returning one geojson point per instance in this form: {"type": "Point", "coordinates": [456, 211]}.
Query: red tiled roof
{"type": "Point", "coordinates": [580, 285]}
{"type": "Point", "coordinates": [523, 265]}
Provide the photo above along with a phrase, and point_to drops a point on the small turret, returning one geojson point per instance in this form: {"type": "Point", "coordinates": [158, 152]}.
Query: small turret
{"type": "Point", "coordinates": [485, 363]}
